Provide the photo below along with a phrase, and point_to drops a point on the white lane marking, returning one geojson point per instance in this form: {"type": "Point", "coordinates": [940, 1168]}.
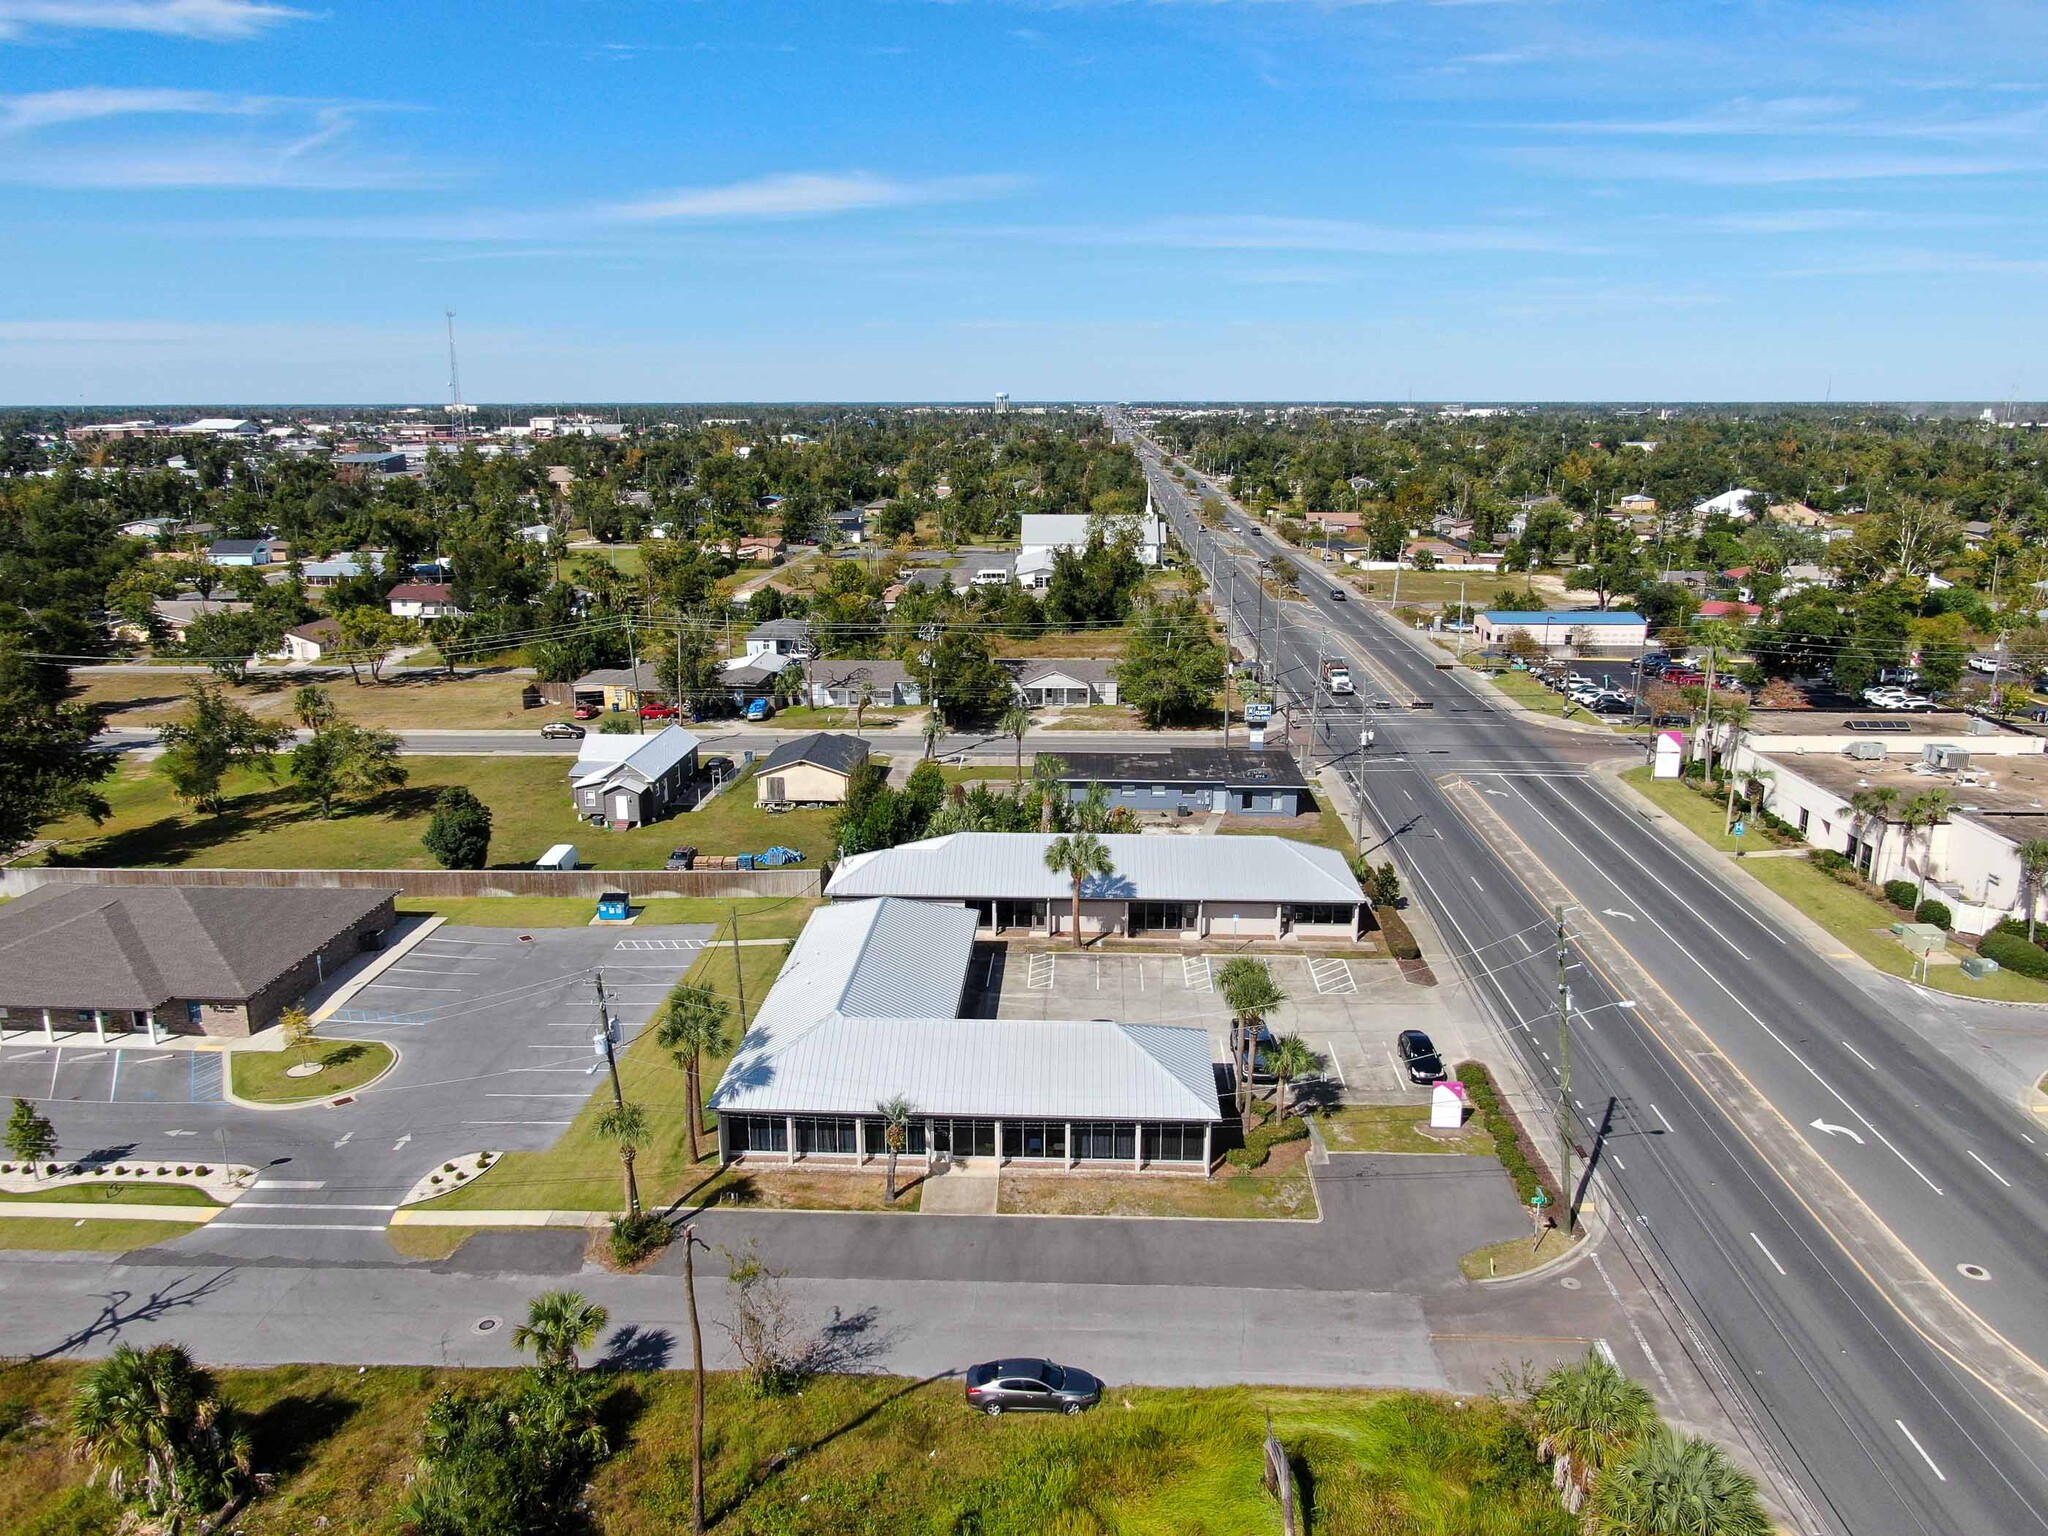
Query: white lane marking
{"type": "Point", "coordinates": [1662, 1121]}
{"type": "Point", "coordinates": [1634, 1327]}
{"type": "Point", "coordinates": [289, 1184]}
{"type": "Point", "coordinates": [1621, 1165]}
{"type": "Point", "coordinates": [399, 1145]}
{"type": "Point", "coordinates": [1915, 1443]}
{"type": "Point", "coordinates": [346, 1138]}
{"type": "Point", "coordinates": [1475, 886]}
{"type": "Point", "coordinates": [1767, 1253]}
{"type": "Point", "coordinates": [285, 1226]}
{"type": "Point", "coordinates": [304, 1205]}
{"type": "Point", "coordinates": [539, 1095]}
{"type": "Point", "coordinates": [1859, 1055]}
{"type": "Point", "coordinates": [1705, 970]}
{"type": "Point", "coordinates": [1336, 1063]}
{"type": "Point", "coordinates": [1989, 1169]}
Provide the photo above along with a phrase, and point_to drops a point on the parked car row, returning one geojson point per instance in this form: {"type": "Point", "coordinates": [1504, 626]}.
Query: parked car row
{"type": "Point", "coordinates": [1589, 693]}
{"type": "Point", "coordinates": [1892, 697]}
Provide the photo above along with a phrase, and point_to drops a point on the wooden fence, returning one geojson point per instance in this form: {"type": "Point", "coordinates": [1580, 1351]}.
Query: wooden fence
{"type": "Point", "coordinates": [446, 884]}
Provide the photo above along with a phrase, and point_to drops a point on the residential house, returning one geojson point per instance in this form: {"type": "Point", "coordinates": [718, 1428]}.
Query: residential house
{"type": "Point", "coordinates": [839, 684]}
{"type": "Point", "coordinates": [1636, 504]}
{"type": "Point", "coordinates": [311, 642]}
{"type": "Point", "coordinates": [613, 689]}
{"type": "Point", "coordinates": [1198, 781]}
{"type": "Point", "coordinates": [424, 600]}
{"type": "Point", "coordinates": [1069, 682]}
{"type": "Point", "coordinates": [1033, 568]}
{"type": "Point", "coordinates": [870, 1006]}
{"type": "Point", "coordinates": [1729, 609]}
{"type": "Point", "coordinates": [149, 527]}
{"type": "Point", "coordinates": [1334, 522]}
{"type": "Point", "coordinates": [1797, 513]}
{"type": "Point", "coordinates": [175, 616]}
{"type": "Point", "coordinates": [778, 637]}
{"type": "Point", "coordinates": [339, 568]}
{"type": "Point", "coordinates": [629, 781]}
{"type": "Point", "coordinates": [157, 960]}
{"type": "Point", "coordinates": [1735, 504]}
{"type": "Point", "coordinates": [810, 770]}
{"type": "Point", "coordinates": [244, 552]}
{"type": "Point", "coordinates": [1187, 887]}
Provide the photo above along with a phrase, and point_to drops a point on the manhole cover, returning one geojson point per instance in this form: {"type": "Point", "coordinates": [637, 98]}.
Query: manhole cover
{"type": "Point", "coordinates": [485, 1324]}
{"type": "Point", "coordinates": [1973, 1271]}
{"type": "Point", "coordinates": [526, 938]}
{"type": "Point", "coordinates": [1569, 1283]}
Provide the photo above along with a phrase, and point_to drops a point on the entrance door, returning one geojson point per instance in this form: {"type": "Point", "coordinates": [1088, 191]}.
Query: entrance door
{"type": "Point", "coordinates": [622, 807]}
{"type": "Point", "coordinates": [942, 1137]}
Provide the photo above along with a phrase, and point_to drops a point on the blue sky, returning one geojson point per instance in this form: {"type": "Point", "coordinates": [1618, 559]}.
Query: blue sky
{"type": "Point", "coordinates": [252, 200]}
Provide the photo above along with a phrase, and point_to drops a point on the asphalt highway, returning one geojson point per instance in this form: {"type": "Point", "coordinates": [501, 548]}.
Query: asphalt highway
{"type": "Point", "coordinates": [1880, 1430]}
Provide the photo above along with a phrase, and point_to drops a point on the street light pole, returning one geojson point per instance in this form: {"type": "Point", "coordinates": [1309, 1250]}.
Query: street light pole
{"type": "Point", "coordinates": [1564, 1079]}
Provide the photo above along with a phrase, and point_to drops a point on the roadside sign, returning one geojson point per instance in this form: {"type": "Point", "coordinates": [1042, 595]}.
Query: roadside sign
{"type": "Point", "coordinates": [1539, 1199]}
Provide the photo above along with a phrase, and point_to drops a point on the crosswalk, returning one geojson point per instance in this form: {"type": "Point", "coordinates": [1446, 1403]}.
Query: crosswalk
{"type": "Point", "coordinates": [291, 1205]}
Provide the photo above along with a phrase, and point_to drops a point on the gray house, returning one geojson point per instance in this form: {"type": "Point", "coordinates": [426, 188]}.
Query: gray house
{"type": "Point", "coordinates": [1236, 781]}
{"type": "Point", "coordinates": [628, 781]}
{"type": "Point", "coordinates": [838, 684]}
{"type": "Point", "coordinates": [1068, 680]}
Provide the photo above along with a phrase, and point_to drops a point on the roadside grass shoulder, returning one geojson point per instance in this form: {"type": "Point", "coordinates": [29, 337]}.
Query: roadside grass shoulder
{"type": "Point", "coordinates": [488, 700]}
{"type": "Point", "coordinates": [854, 1452]}
{"type": "Point", "coordinates": [265, 1076]}
{"type": "Point", "coordinates": [114, 1191]}
{"type": "Point", "coordinates": [1516, 1255]}
{"type": "Point", "coordinates": [1693, 811]}
{"type": "Point", "coordinates": [60, 1234]}
{"type": "Point", "coordinates": [581, 1171]}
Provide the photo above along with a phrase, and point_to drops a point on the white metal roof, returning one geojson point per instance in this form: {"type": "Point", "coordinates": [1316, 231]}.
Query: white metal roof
{"type": "Point", "coordinates": [1069, 530]}
{"type": "Point", "coordinates": [601, 755]}
{"type": "Point", "coordinates": [864, 1010]}
{"type": "Point", "coordinates": [970, 866]}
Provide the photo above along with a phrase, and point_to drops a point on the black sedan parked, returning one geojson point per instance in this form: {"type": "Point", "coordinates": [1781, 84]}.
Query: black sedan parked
{"type": "Point", "coordinates": [1419, 1058]}
{"type": "Point", "coordinates": [1030, 1386]}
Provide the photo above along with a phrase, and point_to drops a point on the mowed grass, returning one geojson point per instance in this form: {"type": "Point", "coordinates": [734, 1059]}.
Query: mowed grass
{"type": "Point", "coordinates": [1860, 922]}
{"type": "Point", "coordinates": [114, 1191]}
{"type": "Point", "coordinates": [265, 825]}
{"type": "Point", "coordinates": [1280, 1190]}
{"type": "Point", "coordinates": [760, 917]}
{"type": "Point", "coordinates": [402, 701]}
{"type": "Point", "coordinates": [1696, 813]}
{"type": "Point", "coordinates": [62, 1234]}
{"type": "Point", "coordinates": [265, 1076]}
{"type": "Point", "coordinates": [858, 1455]}
{"type": "Point", "coordinates": [1482, 590]}
{"type": "Point", "coordinates": [1322, 826]}
{"type": "Point", "coordinates": [581, 1171]}
{"type": "Point", "coordinates": [1397, 1128]}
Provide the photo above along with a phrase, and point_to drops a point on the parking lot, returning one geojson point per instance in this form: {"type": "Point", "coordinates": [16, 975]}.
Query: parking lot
{"type": "Point", "coordinates": [1347, 1009]}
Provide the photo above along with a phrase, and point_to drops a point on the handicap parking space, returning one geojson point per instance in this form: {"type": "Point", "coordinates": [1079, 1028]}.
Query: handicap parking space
{"type": "Point", "coordinates": [80, 1070]}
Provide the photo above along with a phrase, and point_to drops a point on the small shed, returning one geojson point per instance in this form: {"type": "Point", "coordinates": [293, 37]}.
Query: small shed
{"type": "Point", "coordinates": [614, 907]}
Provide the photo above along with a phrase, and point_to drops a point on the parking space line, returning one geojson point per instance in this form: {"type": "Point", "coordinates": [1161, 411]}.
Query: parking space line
{"type": "Point", "coordinates": [287, 1226]}
{"type": "Point", "coordinates": [1334, 1062]}
{"type": "Point", "coordinates": [518, 1122]}
{"type": "Point", "coordinates": [540, 1095]}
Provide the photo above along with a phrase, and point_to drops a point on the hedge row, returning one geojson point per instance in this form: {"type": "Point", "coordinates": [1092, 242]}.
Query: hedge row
{"type": "Point", "coordinates": [1510, 1145]}
{"type": "Point", "coordinates": [1903, 894]}
{"type": "Point", "coordinates": [2014, 953]}
{"type": "Point", "coordinates": [1401, 943]}
{"type": "Point", "coordinates": [1261, 1140]}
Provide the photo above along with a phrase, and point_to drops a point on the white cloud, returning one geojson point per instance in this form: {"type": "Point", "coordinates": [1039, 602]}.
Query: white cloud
{"type": "Point", "coordinates": [91, 103]}
{"type": "Point", "coordinates": [1269, 232]}
{"type": "Point", "coordinates": [1773, 169]}
{"type": "Point", "coordinates": [214, 21]}
{"type": "Point", "coordinates": [801, 195]}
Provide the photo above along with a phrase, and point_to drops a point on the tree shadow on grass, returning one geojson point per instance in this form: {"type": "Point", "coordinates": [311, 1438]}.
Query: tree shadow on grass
{"type": "Point", "coordinates": [182, 838]}
{"type": "Point", "coordinates": [284, 1436]}
{"type": "Point", "coordinates": [342, 1055]}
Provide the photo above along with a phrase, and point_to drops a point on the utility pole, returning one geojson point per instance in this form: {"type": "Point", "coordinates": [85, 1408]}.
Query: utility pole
{"type": "Point", "coordinates": [691, 1243]}
{"type": "Point", "coordinates": [604, 1039]}
{"type": "Point", "coordinates": [1315, 698]}
{"type": "Point", "coordinates": [1464, 620]}
{"type": "Point", "coordinates": [633, 653]}
{"type": "Point", "coordinates": [739, 979]}
{"type": "Point", "coordinates": [1365, 740]}
{"type": "Point", "coordinates": [1564, 1079]}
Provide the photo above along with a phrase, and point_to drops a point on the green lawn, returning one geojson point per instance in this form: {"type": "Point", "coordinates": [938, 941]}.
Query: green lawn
{"type": "Point", "coordinates": [1516, 1255]}
{"type": "Point", "coordinates": [1536, 698]}
{"type": "Point", "coordinates": [1481, 590]}
{"type": "Point", "coordinates": [580, 1172]}
{"type": "Point", "coordinates": [806, 717]}
{"type": "Point", "coordinates": [761, 917]}
{"type": "Point", "coordinates": [265, 826]}
{"type": "Point", "coordinates": [1280, 1191]}
{"type": "Point", "coordinates": [1696, 813]}
{"type": "Point", "coordinates": [265, 1076]}
{"type": "Point", "coordinates": [116, 1191]}
{"type": "Point", "coordinates": [1859, 922]}
{"type": "Point", "coordinates": [53, 1234]}
{"type": "Point", "coordinates": [1397, 1128]}
{"type": "Point", "coordinates": [489, 700]}
{"type": "Point", "coordinates": [1323, 826]}
{"type": "Point", "coordinates": [857, 1455]}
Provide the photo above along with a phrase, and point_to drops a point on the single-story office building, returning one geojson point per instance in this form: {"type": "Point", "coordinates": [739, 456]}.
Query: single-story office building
{"type": "Point", "coordinates": [868, 1007]}
{"type": "Point", "coordinates": [1557, 629]}
{"type": "Point", "coordinates": [157, 960]}
{"type": "Point", "coordinates": [1179, 887]}
{"type": "Point", "coordinates": [1193, 781]}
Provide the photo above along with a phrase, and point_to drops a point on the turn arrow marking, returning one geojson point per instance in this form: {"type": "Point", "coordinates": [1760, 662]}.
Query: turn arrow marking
{"type": "Point", "coordinates": [1616, 912]}
{"type": "Point", "coordinates": [1837, 1130]}
{"type": "Point", "coordinates": [181, 1133]}
{"type": "Point", "coordinates": [399, 1145]}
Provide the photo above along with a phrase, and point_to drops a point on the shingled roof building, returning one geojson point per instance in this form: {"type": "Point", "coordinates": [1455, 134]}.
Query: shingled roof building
{"type": "Point", "coordinates": [222, 960]}
{"type": "Point", "coordinates": [868, 1007]}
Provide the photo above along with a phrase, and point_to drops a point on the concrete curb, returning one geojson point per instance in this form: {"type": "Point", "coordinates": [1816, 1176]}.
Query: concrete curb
{"type": "Point", "coordinates": [323, 1101]}
{"type": "Point", "coordinates": [1592, 1229]}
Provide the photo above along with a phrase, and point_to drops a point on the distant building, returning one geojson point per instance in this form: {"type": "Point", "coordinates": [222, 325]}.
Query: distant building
{"type": "Point", "coordinates": [342, 567]}
{"type": "Point", "coordinates": [424, 600]}
{"type": "Point", "coordinates": [352, 467]}
{"type": "Point", "coordinates": [219, 426]}
{"type": "Point", "coordinates": [1192, 781]}
{"type": "Point", "coordinates": [1064, 530]}
{"type": "Point", "coordinates": [311, 642]}
{"type": "Point", "coordinates": [1559, 629]}
{"type": "Point", "coordinates": [244, 552]}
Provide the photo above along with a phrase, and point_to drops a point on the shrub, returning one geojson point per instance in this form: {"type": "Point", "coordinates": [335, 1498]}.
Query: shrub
{"type": "Point", "coordinates": [1935, 912]}
{"type": "Point", "coordinates": [1401, 943]}
{"type": "Point", "coordinates": [2015, 954]}
{"type": "Point", "coordinates": [638, 1237]}
{"type": "Point", "coordinates": [1260, 1142]}
{"type": "Point", "coordinates": [202, 1170]}
{"type": "Point", "coordinates": [1901, 894]}
{"type": "Point", "coordinates": [1499, 1123]}
{"type": "Point", "coordinates": [184, 1171]}
{"type": "Point", "coordinates": [1829, 860]}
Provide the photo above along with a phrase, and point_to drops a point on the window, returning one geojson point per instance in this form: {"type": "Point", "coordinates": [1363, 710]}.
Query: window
{"type": "Point", "coordinates": [1102, 1141]}
{"type": "Point", "coordinates": [1173, 1143]}
{"type": "Point", "coordinates": [1161, 791]}
{"type": "Point", "coordinates": [1322, 914]}
{"type": "Point", "coordinates": [874, 1137]}
{"type": "Point", "coordinates": [1020, 914]}
{"type": "Point", "coordinates": [757, 1133]}
{"type": "Point", "coordinates": [1802, 818]}
{"type": "Point", "coordinates": [816, 1133]}
{"type": "Point", "coordinates": [1160, 917]}
{"type": "Point", "coordinates": [1035, 1138]}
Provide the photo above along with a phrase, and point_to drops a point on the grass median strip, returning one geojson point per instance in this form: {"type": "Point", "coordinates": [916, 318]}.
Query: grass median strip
{"type": "Point", "coordinates": [264, 1077]}
{"type": "Point", "coordinates": [73, 1235]}
{"type": "Point", "coordinates": [1398, 1128]}
{"type": "Point", "coordinates": [114, 1192]}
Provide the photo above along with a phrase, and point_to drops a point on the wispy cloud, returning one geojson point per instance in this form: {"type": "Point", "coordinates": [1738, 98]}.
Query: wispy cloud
{"type": "Point", "coordinates": [798, 195]}
{"type": "Point", "coordinates": [92, 103]}
{"type": "Point", "coordinates": [214, 21]}
{"type": "Point", "coordinates": [1814, 117]}
{"type": "Point", "coordinates": [1769, 170]}
{"type": "Point", "coordinates": [1270, 232]}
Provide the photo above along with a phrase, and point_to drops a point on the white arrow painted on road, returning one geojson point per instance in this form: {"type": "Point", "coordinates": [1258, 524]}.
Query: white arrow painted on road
{"type": "Point", "coordinates": [1837, 1130]}
{"type": "Point", "coordinates": [345, 1140]}
{"type": "Point", "coordinates": [1617, 912]}
{"type": "Point", "coordinates": [399, 1145]}
{"type": "Point", "coordinates": [181, 1133]}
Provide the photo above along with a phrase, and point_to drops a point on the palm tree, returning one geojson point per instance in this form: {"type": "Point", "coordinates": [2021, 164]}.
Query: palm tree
{"type": "Point", "coordinates": [1923, 813]}
{"type": "Point", "coordinates": [1047, 771]}
{"type": "Point", "coordinates": [1668, 1484]}
{"type": "Point", "coordinates": [896, 1115]}
{"type": "Point", "coordinates": [863, 696]}
{"type": "Point", "coordinates": [1586, 1415]}
{"type": "Point", "coordinates": [625, 1127]}
{"type": "Point", "coordinates": [2033, 867]}
{"type": "Point", "coordinates": [1251, 994]}
{"type": "Point", "coordinates": [690, 1027]}
{"type": "Point", "coordinates": [560, 1324]}
{"type": "Point", "coordinates": [1016, 724]}
{"type": "Point", "coordinates": [934, 729]}
{"type": "Point", "coordinates": [1080, 856]}
{"type": "Point", "coordinates": [151, 1417]}
{"type": "Point", "coordinates": [1874, 807]}
{"type": "Point", "coordinates": [1290, 1060]}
